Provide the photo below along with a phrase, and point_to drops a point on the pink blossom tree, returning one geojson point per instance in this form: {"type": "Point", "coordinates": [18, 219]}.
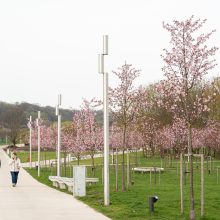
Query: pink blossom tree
{"type": "Point", "coordinates": [186, 63]}
{"type": "Point", "coordinates": [122, 101]}
{"type": "Point", "coordinates": [92, 133]}
{"type": "Point", "coordinates": [115, 142]}
{"type": "Point", "coordinates": [78, 146]}
{"type": "Point", "coordinates": [209, 137]}
{"type": "Point", "coordinates": [150, 117]}
{"type": "Point", "coordinates": [67, 137]}
{"type": "Point", "coordinates": [34, 133]}
{"type": "Point", "coordinates": [172, 138]}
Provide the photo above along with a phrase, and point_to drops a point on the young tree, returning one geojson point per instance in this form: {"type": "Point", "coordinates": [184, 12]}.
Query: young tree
{"type": "Point", "coordinates": [150, 117]}
{"type": "Point", "coordinates": [115, 142]}
{"type": "Point", "coordinates": [173, 137]}
{"type": "Point", "coordinates": [91, 132]}
{"type": "Point", "coordinates": [78, 146]}
{"type": "Point", "coordinates": [67, 137]}
{"type": "Point", "coordinates": [215, 104]}
{"type": "Point", "coordinates": [186, 63]}
{"type": "Point", "coordinates": [122, 101]}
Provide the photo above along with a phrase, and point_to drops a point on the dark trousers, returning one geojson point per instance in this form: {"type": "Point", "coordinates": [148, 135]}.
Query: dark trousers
{"type": "Point", "coordinates": [14, 177]}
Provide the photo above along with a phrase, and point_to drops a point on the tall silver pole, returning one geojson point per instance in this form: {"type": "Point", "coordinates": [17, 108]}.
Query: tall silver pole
{"type": "Point", "coordinates": [58, 136]}
{"type": "Point", "coordinates": [106, 119]}
{"type": "Point", "coordinates": [106, 141]}
{"type": "Point", "coordinates": [38, 141]}
{"type": "Point", "coordinates": [30, 143]}
{"type": "Point", "coordinates": [58, 146]}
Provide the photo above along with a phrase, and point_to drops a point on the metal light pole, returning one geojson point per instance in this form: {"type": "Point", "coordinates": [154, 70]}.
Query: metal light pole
{"type": "Point", "coordinates": [30, 144]}
{"type": "Point", "coordinates": [106, 119]}
{"type": "Point", "coordinates": [58, 135]}
{"type": "Point", "coordinates": [38, 141]}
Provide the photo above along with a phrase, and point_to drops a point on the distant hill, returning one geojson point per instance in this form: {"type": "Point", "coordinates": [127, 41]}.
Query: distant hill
{"type": "Point", "coordinates": [47, 112]}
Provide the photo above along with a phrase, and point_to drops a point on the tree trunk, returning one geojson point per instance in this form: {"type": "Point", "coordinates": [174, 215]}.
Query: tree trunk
{"type": "Point", "coordinates": [113, 159]}
{"type": "Point", "coordinates": [64, 163]}
{"type": "Point", "coordinates": [116, 170]}
{"type": "Point", "coordinates": [123, 159]}
{"type": "Point", "coordinates": [93, 164]}
{"type": "Point", "coordinates": [45, 159]}
{"type": "Point", "coordinates": [136, 157]}
{"type": "Point", "coordinates": [14, 141]}
{"type": "Point", "coordinates": [192, 210]}
{"type": "Point", "coordinates": [78, 160]}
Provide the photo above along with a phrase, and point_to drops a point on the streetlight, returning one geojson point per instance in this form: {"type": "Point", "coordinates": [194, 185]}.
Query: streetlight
{"type": "Point", "coordinates": [38, 141]}
{"type": "Point", "coordinates": [58, 135]}
{"type": "Point", "coordinates": [106, 119]}
{"type": "Point", "coordinates": [30, 144]}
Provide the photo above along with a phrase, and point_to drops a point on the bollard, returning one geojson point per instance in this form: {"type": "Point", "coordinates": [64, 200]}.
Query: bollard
{"type": "Point", "coordinates": [151, 201]}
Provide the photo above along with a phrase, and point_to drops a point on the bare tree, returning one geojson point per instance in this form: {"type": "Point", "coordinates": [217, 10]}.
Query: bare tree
{"type": "Point", "coordinates": [13, 119]}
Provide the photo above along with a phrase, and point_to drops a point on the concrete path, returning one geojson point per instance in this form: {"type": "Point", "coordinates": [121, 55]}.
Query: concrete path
{"type": "Point", "coordinates": [68, 159]}
{"type": "Point", "coordinates": [31, 200]}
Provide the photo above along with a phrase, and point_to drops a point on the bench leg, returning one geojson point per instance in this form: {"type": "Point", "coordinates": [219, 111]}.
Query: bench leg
{"type": "Point", "coordinates": [62, 186]}
{"type": "Point", "coordinates": [55, 184]}
{"type": "Point", "coordinates": [70, 188]}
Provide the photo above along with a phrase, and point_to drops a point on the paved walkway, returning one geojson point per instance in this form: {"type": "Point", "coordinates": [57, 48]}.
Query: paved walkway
{"type": "Point", "coordinates": [85, 157]}
{"type": "Point", "coordinates": [48, 162]}
{"type": "Point", "coordinates": [31, 200]}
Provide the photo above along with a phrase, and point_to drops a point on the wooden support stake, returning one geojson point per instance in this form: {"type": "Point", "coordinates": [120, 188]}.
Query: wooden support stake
{"type": "Point", "coordinates": [202, 185]}
{"type": "Point", "coordinates": [181, 184]}
{"type": "Point", "coordinates": [159, 177]}
{"type": "Point", "coordinates": [217, 174]}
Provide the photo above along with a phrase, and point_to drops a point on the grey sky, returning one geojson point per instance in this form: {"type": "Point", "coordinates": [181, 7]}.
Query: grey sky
{"type": "Point", "coordinates": [50, 46]}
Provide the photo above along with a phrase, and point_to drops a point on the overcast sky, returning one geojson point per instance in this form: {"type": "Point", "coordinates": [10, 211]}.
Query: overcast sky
{"type": "Point", "coordinates": [50, 46]}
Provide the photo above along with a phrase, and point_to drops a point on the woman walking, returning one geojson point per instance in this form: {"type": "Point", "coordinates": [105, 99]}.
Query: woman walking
{"type": "Point", "coordinates": [15, 165]}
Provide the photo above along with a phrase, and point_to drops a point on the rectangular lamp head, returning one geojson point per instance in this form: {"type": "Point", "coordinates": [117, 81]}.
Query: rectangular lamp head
{"type": "Point", "coordinates": [59, 99]}
{"type": "Point", "coordinates": [57, 111]}
{"type": "Point", "coordinates": [105, 44]}
{"type": "Point", "coordinates": [101, 63]}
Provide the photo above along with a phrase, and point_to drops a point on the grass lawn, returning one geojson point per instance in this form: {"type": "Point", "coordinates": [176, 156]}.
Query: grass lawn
{"type": "Point", "coordinates": [45, 155]}
{"type": "Point", "coordinates": [133, 204]}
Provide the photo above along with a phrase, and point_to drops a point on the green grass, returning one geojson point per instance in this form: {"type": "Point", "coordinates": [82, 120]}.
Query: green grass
{"type": "Point", "coordinates": [3, 142]}
{"type": "Point", "coordinates": [45, 155]}
{"type": "Point", "coordinates": [133, 204]}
